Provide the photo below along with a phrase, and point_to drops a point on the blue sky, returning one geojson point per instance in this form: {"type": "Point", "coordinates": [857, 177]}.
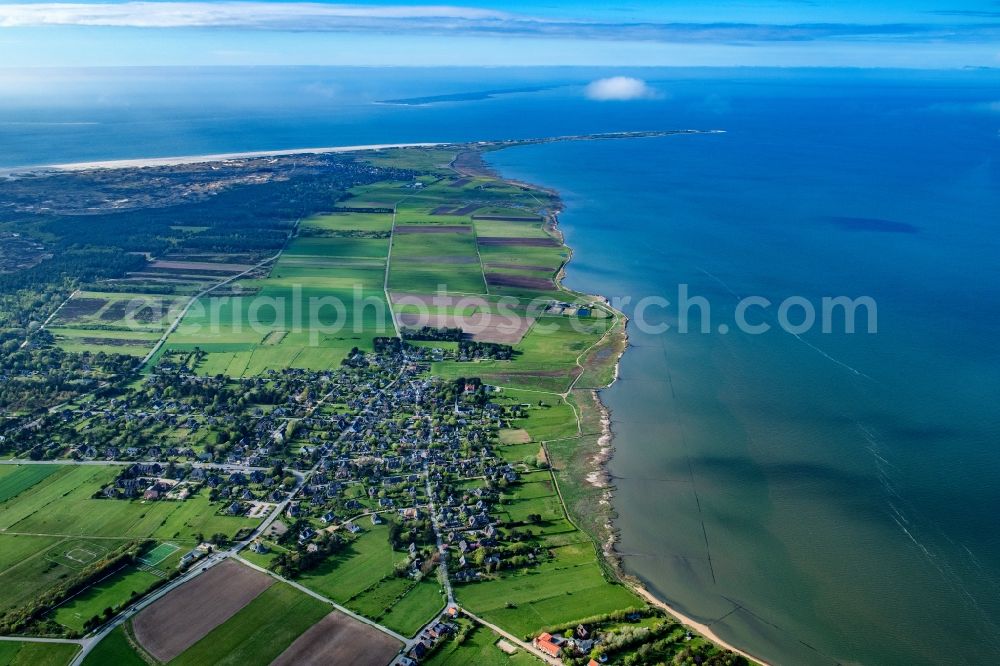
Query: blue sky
{"type": "Point", "coordinates": [877, 33]}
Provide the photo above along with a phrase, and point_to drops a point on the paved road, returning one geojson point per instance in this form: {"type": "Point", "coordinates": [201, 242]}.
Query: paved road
{"type": "Point", "coordinates": [515, 640]}
{"type": "Point", "coordinates": [90, 642]}
{"type": "Point", "coordinates": [194, 299]}
{"type": "Point", "coordinates": [225, 467]}
{"type": "Point", "coordinates": [32, 639]}
{"type": "Point", "coordinates": [442, 549]}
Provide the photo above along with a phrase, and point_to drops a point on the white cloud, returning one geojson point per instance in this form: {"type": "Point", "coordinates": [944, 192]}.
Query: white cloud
{"type": "Point", "coordinates": [620, 88]}
{"type": "Point", "coordinates": [306, 16]}
{"type": "Point", "coordinates": [266, 15]}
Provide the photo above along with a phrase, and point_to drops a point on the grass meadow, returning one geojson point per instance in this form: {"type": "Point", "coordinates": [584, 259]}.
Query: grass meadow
{"type": "Point", "coordinates": [258, 632]}
{"type": "Point", "coordinates": [46, 527]}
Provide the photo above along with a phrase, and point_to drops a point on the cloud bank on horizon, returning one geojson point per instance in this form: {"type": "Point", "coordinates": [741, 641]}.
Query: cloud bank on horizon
{"type": "Point", "coordinates": [648, 32]}
{"type": "Point", "coordinates": [620, 89]}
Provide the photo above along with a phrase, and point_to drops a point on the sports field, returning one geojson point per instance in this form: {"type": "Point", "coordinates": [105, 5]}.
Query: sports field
{"type": "Point", "coordinates": [55, 527]}
{"type": "Point", "coordinates": [119, 587]}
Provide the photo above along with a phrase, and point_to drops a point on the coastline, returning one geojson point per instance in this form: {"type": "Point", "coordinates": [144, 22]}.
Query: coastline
{"type": "Point", "coordinates": [598, 474]}
{"type": "Point", "coordinates": [140, 162]}
{"type": "Point", "coordinates": [177, 160]}
{"type": "Point", "coordinates": [596, 471]}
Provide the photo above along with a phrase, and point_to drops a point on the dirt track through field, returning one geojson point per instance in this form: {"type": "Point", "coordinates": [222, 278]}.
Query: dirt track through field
{"type": "Point", "coordinates": [339, 639]}
{"type": "Point", "coordinates": [185, 615]}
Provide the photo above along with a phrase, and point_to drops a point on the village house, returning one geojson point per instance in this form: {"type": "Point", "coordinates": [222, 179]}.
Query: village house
{"type": "Point", "coordinates": [547, 644]}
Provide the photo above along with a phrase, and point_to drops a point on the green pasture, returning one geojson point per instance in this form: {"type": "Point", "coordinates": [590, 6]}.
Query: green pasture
{"type": "Point", "coordinates": [15, 479]}
{"type": "Point", "coordinates": [24, 653]}
{"type": "Point", "coordinates": [568, 587]}
{"type": "Point", "coordinates": [114, 649]}
{"type": "Point", "coordinates": [259, 632]}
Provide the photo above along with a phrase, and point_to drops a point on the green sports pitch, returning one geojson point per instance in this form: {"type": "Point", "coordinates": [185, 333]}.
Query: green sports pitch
{"type": "Point", "coordinates": [158, 554]}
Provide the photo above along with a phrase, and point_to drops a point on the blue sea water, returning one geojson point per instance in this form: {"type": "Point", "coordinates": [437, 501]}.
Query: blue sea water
{"type": "Point", "coordinates": [818, 498]}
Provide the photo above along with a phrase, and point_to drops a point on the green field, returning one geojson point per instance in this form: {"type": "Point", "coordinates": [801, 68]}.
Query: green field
{"type": "Point", "coordinates": [63, 504]}
{"type": "Point", "coordinates": [15, 479]}
{"type": "Point", "coordinates": [569, 587]}
{"type": "Point", "coordinates": [345, 575]}
{"type": "Point", "coordinates": [413, 611]}
{"type": "Point", "coordinates": [259, 632]}
{"type": "Point", "coordinates": [114, 322]}
{"type": "Point", "coordinates": [76, 529]}
{"type": "Point", "coordinates": [323, 297]}
{"type": "Point", "coordinates": [479, 647]}
{"type": "Point", "coordinates": [361, 577]}
{"type": "Point", "coordinates": [114, 649]}
{"type": "Point", "coordinates": [22, 653]}
{"type": "Point", "coordinates": [127, 583]}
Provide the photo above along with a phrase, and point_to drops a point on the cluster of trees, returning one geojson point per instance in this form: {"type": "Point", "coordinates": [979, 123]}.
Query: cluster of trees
{"type": "Point", "coordinates": [401, 535]}
{"type": "Point", "coordinates": [433, 333]}
{"type": "Point", "coordinates": [663, 642]}
{"type": "Point", "coordinates": [512, 556]}
{"type": "Point", "coordinates": [384, 345]}
{"type": "Point", "coordinates": [86, 263]}
{"type": "Point", "coordinates": [37, 378]}
{"type": "Point", "coordinates": [470, 350]}
{"type": "Point", "coordinates": [359, 209]}
{"type": "Point", "coordinates": [85, 247]}
{"type": "Point", "coordinates": [317, 232]}
{"type": "Point", "coordinates": [300, 557]}
{"type": "Point", "coordinates": [23, 310]}
{"type": "Point", "coordinates": [21, 618]}
{"type": "Point", "coordinates": [628, 638]}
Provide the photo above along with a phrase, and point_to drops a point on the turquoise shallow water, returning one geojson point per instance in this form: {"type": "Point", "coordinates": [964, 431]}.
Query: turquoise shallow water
{"type": "Point", "coordinates": [819, 499]}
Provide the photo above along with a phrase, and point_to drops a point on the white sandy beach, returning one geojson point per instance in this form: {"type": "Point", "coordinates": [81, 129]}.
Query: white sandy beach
{"type": "Point", "coordinates": [218, 157]}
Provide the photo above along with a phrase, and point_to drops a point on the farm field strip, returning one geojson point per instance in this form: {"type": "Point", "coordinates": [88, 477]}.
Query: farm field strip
{"type": "Point", "coordinates": [185, 615]}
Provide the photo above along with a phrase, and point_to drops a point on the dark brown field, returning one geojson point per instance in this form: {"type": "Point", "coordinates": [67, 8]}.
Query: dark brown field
{"type": "Point", "coordinates": [80, 307]}
{"type": "Point", "coordinates": [432, 229]}
{"type": "Point", "coordinates": [185, 615]}
{"type": "Point", "coordinates": [339, 639]}
{"type": "Point", "coordinates": [519, 281]}
{"type": "Point", "coordinates": [115, 342]}
{"type": "Point", "coordinates": [465, 210]}
{"type": "Point", "coordinates": [522, 267]}
{"type": "Point", "coordinates": [141, 309]}
{"type": "Point", "coordinates": [508, 218]}
{"type": "Point", "coordinates": [519, 242]}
